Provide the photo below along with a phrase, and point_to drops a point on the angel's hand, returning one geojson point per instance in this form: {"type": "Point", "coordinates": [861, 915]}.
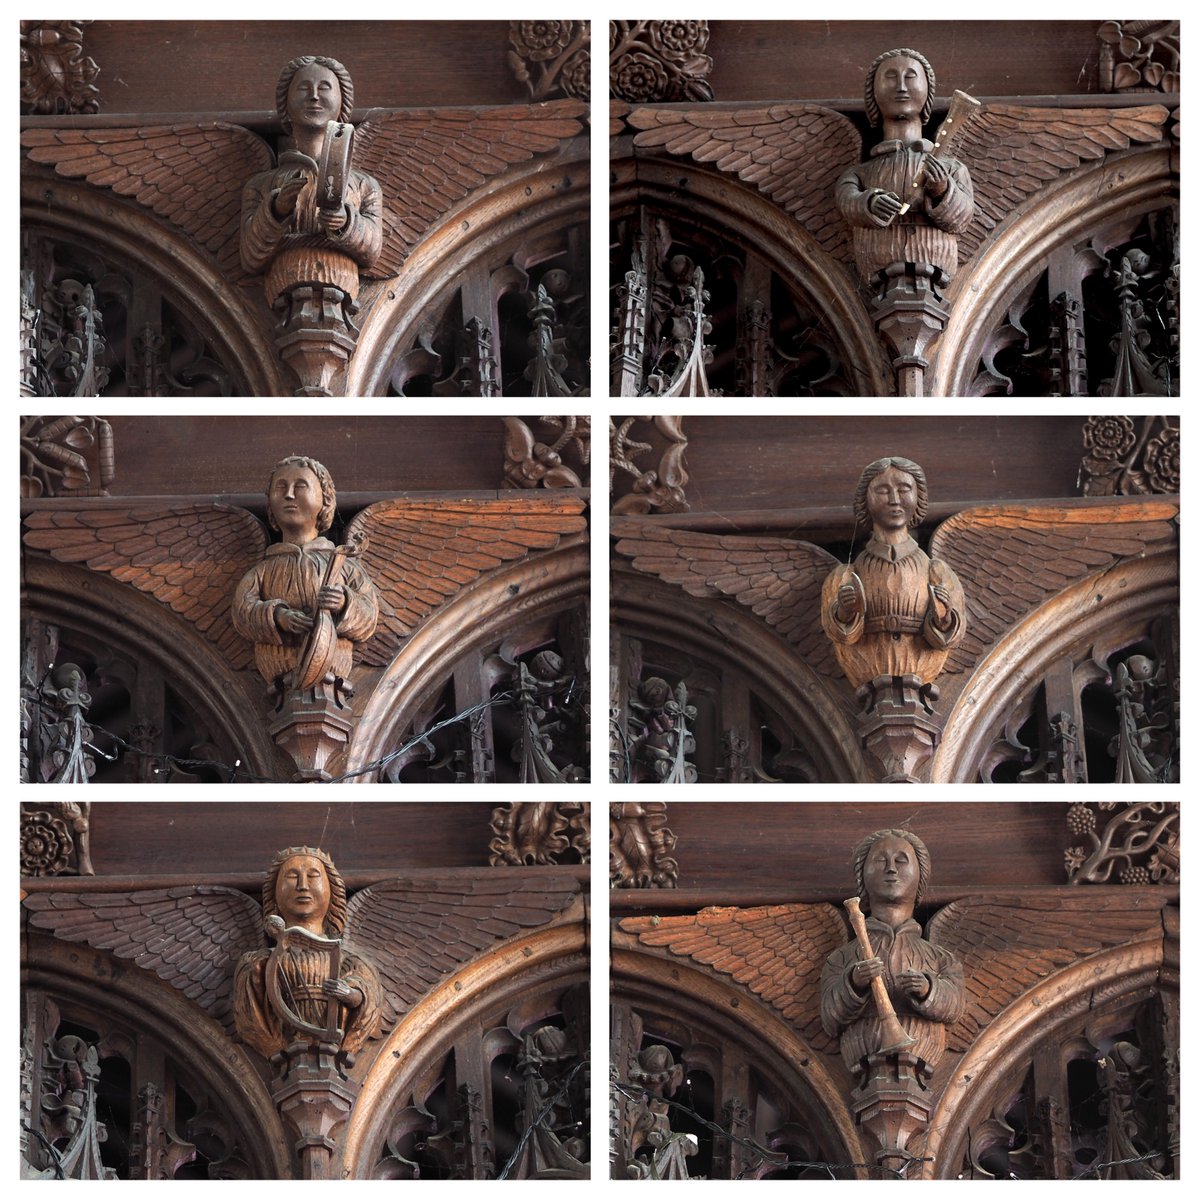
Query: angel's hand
{"type": "Point", "coordinates": [937, 177]}
{"type": "Point", "coordinates": [850, 603]}
{"type": "Point", "coordinates": [864, 971]}
{"type": "Point", "coordinates": [341, 991]}
{"type": "Point", "coordinates": [332, 597]}
{"type": "Point", "coordinates": [332, 220]}
{"type": "Point", "coordinates": [939, 600]}
{"type": "Point", "coordinates": [915, 984]}
{"type": "Point", "coordinates": [883, 207]}
{"type": "Point", "coordinates": [292, 620]}
{"type": "Point", "coordinates": [283, 199]}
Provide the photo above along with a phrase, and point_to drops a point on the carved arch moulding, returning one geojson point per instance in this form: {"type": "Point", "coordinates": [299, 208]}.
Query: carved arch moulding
{"type": "Point", "coordinates": [369, 636]}
{"type": "Point", "coordinates": [1027, 1033]}
{"type": "Point", "coordinates": [1034, 251]}
{"type": "Point", "coordinates": [170, 252]}
{"type": "Point", "coordinates": [1039, 640]}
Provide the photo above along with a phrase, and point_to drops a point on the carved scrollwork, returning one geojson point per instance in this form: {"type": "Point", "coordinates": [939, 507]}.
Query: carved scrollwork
{"type": "Point", "coordinates": [535, 459]}
{"type": "Point", "coordinates": [56, 76]}
{"type": "Point", "coordinates": [552, 58]}
{"type": "Point", "coordinates": [658, 488]}
{"type": "Point", "coordinates": [659, 60]}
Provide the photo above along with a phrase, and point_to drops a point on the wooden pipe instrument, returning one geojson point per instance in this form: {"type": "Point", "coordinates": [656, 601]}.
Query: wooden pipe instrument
{"type": "Point", "coordinates": [892, 1033]}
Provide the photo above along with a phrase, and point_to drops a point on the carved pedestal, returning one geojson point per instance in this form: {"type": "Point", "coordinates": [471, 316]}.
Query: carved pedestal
{"type": "Point", "coordinates": [911, 314]}
{"type": "Point", "coordinates": [898, 726]}
{"type": "Point", "coordinates": [313, 726]}
{"type": "Point", "coordinates": [316, 336]}
{"type": "Point", "coordinates": [892, 1105]}
{"type": "Point", "coordinates": [314, 1095]}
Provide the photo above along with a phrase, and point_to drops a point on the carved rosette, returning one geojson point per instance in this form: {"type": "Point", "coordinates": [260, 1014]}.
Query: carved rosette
{"type": "Point", "coordinates": [1139, 56]}
{"type": "Point", "coordinates": [1133, 844]}
{"type": "Point", "coordinates": [659, 61]}
{"type": "Point", "coordinates": [56, 76]}
{"type": "Point", "coordinates": [47, 847]}
{"type": "Point", "coordinates": [552, 58]}
{"type": "Point", "coordinates": [1128, 456]}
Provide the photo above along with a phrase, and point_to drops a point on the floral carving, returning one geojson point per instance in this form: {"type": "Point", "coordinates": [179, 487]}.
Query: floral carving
{"type": "Point", "coordinates": [46, 843]}
{"type": "Point", "coordinates": [55, 75]}
{"type": "Point", "coordinates": [1137, 844]}
{"type": "Point", "coordinates": [1129, 457]}
{"type": "Point", "coordinates": [66, 455]}
{"type": "Point", "coordinates": [1139, 56]}
{"type": "Point", "coordinates": [552, 58]}
{"type": "Point", "coordinates": [530, 462]}
{"type": "Point", "coordinates": [652, 488]}
{"type": "Point", "coordinates": [640, 845]}
{"type": "Point", "coordinates": [652, 61]}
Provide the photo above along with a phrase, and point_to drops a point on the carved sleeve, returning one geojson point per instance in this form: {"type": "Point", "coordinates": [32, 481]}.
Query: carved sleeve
{"type": "Point", "coordinates": [365, 1021]}
{"type": "Point", "coordinates": [941, 575]}
{"type": "Point", "coordinates": [256, 1022]}
{"type": "Point", "coordinates": [358, 619]}
{"type": "Point", "coordinates": [845, 632]}
{"type": "Point", "coordinates": [361, 238]}
{"type": "Point", "coordinates": [261, 231]}
{"type": "Point", "coordinates": [947, 992]}
{"type": "Point", "coordinates": [841, 1005]}
{"type": "Point", "coordinates": [953, 211]}
{"type": "Point", "coordinates": [852, 196]}
{"type": "Point", "coordinates": [254, 616]}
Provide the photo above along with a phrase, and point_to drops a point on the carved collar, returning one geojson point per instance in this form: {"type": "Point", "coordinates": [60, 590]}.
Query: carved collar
{"type": "Point", "coordinates": [881, 550]}
{"type": "Point", "coordinates": [318, 543]}
{"type": "Point", "coordinates": [892, 145]}
{"type": "Point", "coordinates": [893, 931]}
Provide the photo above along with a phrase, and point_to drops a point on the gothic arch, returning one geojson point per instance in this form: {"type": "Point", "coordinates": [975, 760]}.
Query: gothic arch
{"type": "Point", "coordinates": [117, 616]}
{"type": "Point", "coordinates": [92, 986]}
{"type": "Point", "coordinates": [732, 640]}
{"type": "Point", "coordinates": [527, 972]}
{"type": "Point", "coordinates": [727, 208]}
{"type": "Point", "coordinates": [484, 613]}
{"type": "Point", "coordinates": [717, 1013]}
{"type": "Point", "coordinates": [533, 207]}
{"type": "Point", "coordinates": [1109, 609]}
{"type": "Point", "coordinates": [1120, 186]}
{"type": "Point", "coordinates": [225, 313]}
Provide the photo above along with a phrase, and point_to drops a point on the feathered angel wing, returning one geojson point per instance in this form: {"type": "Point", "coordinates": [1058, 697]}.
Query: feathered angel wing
{"type": "Point", "coordinates": [428, 160]}
{"type": "Point", "coordinates": [778, 578]}
{"type": "Point", "coordinates": [776, 951]}
{"type": "Point", "coordinates": [1009, 943]}
{"type": "Point", "coordinates": [420, 553]}
{"type": "Point", "coordinates": [190, 175]}
{"type": "Point", "coordinates": [189, 558]}
{"type": "Point", "coordinates": [190, 936]}
{"type": "Point", "coordinates": [1013, 151]}
{"type": "Point", "coordinates": [417, 932]}
{"type": "Point", "coordinates": [1012, 558]}
{"type": "Point", "coordinates": [792, 153]}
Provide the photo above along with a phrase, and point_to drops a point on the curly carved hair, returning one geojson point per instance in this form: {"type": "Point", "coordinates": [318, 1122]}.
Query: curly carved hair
{"type": "Point", "coordinates": [862, 515]}
{"type": "Point", "coordinates": [335, 918]}
{"type": "Point", "coordinates": [864, 848]}
{"type": "Point", "coordinates": [873, 114]}
{"type": "Point", "coordinates": [328, 491]}
{"type": "Point", "coordinates": [285, 83]}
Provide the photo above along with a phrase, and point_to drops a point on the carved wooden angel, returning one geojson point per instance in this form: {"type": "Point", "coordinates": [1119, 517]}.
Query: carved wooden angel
{"type": "Point", "coordinates": [396, 940]}
{"type": "Point", "coordinates": [803, 156]}
{"type": "Point", "coordinates": [1008, 558]}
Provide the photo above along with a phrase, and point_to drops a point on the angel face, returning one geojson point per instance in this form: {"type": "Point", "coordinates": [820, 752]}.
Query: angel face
{"type": "Point", "coordinates": [295, 500]}
{"type": "Point", "coordinates": [302, 892]}
{"type": "Point", "coordinates": [892, 498]}
{"type": "Point", "coordinates": [314, 97]}
{"type": "Point", "coordinates": [891, 872]}
{"type": "Point", "coordinates": [901, 88]}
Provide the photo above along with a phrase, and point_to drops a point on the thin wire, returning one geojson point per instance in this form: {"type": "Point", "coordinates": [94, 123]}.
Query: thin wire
{"type": "Point", "coordinates": [541, 1117]}
{"type": "Point", "coordinates": [55, 1157]}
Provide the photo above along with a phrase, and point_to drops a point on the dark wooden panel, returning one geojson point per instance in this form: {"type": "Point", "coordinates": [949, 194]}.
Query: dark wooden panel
{"type": "Point", "coordinates": [230, 455]}
{"type": "Point", "coordinates": [238, 838]}
{"type": "Point", "coordinates": [794, 60]}
{"type": "Point", "coordinates": [223, 66]}
{"type": "Point", "coordinates": [791, 462]}
{"type": "Point", "coordinates": [805, 850]}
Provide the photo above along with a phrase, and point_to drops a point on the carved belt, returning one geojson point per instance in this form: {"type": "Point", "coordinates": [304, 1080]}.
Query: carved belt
{"type": "Point", "coordinates": [894, 623]}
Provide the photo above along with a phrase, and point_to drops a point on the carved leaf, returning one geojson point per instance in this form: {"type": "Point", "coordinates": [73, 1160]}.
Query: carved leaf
{"type": "Point", "coordinates": [429, 160]}
{"type": "Point", "coordinates": [1012, 151]}
{"type": "Point", "coordinates": [189, 558]}
{"type": "Point", "coordinates": [190, 175]}
{"type": "Point", "coordinates": [1012, 558]}
{"type": "Point", "coordinates": [792, 153]}
{"type": "Point", "coordinates": [191, 936]}
{"type": "Point", "coordinates": [417, 932]}
{"type": "Point", "coordinates": [1009, 943]}
{"type": "Point", "coordinates": [778, 578]}
{"type": "Point", "coordinates": [777, 952]}
{"type": "Point", "coordinates": [421, 553]}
